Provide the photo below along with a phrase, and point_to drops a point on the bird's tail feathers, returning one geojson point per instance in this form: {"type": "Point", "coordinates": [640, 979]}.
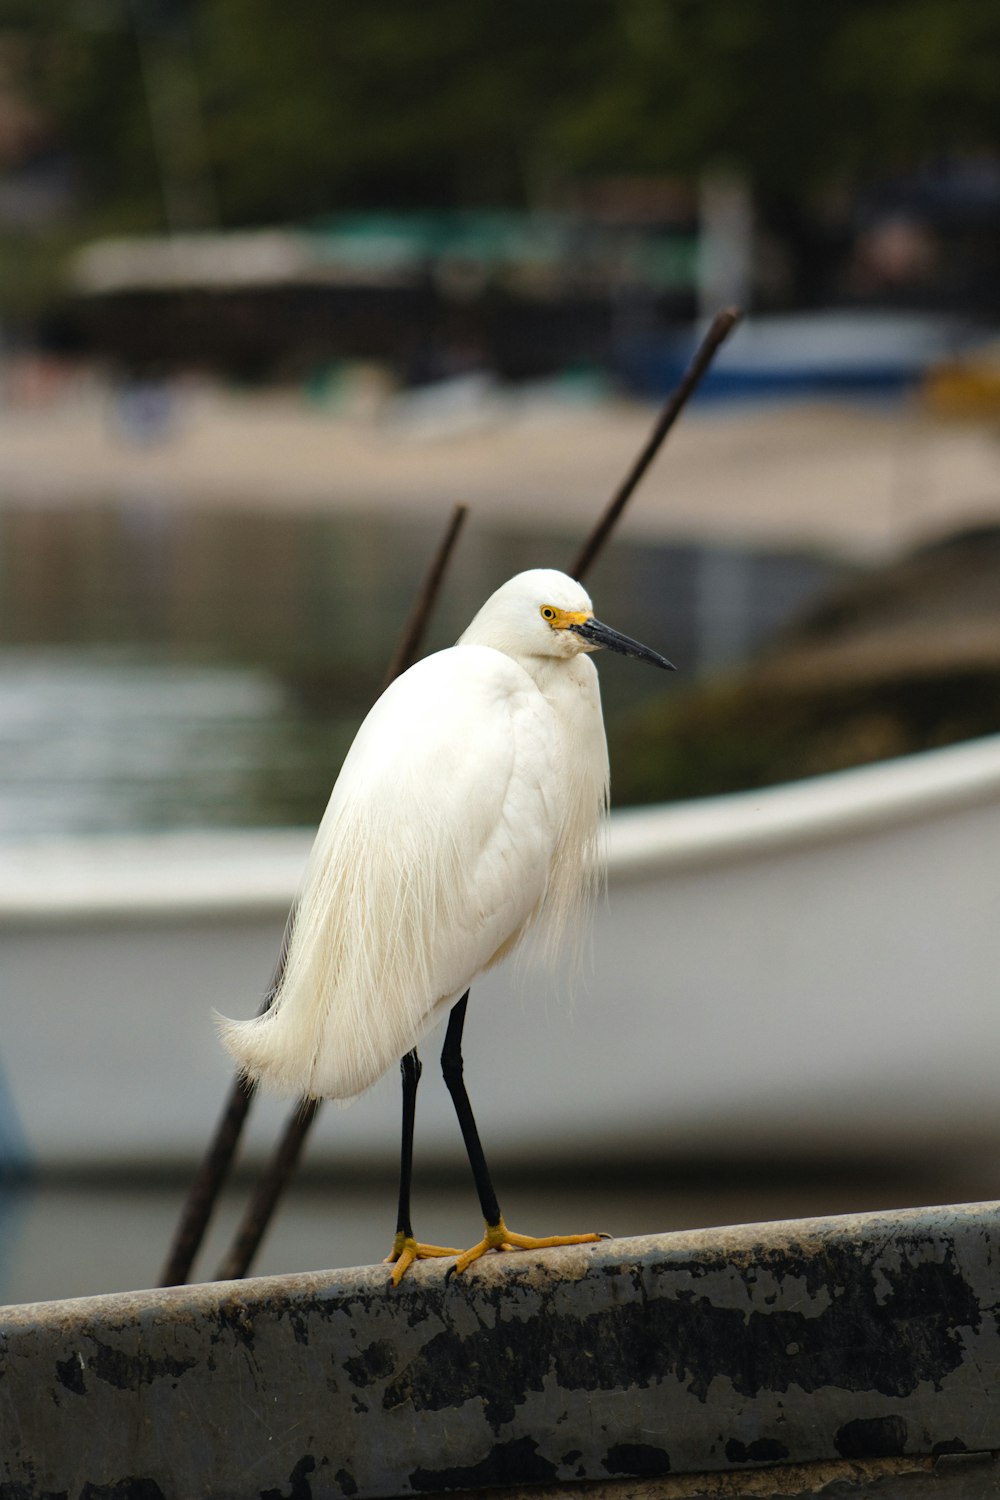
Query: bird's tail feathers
{"type": "Point", "coordinates": [356, 989]}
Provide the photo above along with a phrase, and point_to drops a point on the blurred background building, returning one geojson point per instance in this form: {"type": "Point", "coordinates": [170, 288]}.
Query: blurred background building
{"type": "Point", "coordinates": [280, 285]}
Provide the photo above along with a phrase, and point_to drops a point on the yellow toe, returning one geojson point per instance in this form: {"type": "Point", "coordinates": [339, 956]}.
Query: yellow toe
{"type": "Point", "coordinates": [405, 1250]}
{"type": "Point", "coordinates": [499, 1237]}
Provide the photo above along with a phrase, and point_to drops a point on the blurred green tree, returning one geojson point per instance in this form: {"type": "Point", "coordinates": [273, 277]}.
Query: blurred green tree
{"type": "Point", "coordinates": [330, 102]}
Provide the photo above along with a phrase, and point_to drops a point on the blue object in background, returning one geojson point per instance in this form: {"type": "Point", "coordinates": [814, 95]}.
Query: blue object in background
{"type": "Point", "coordinates": [16, 1171]}
{"type": "Point", "coordinates": [15, 1157]}
{"type": "Point", "coordinates": [845, 353]}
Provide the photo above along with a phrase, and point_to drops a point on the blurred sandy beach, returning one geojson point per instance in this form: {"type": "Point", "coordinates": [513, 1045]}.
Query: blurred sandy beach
{"type": "Point", "coordinates": [863, 481]}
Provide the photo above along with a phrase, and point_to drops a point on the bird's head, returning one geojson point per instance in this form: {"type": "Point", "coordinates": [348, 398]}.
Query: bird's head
{"type": "Point", "coordinates": [547, 613]}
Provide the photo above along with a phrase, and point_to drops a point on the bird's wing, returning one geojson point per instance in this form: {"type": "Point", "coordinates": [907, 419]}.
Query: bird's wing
{"type": "Point", "coordinates": [432, 856]}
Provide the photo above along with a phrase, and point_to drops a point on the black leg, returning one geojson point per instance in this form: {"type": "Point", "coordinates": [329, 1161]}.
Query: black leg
{"type": "Point", "coordinates": [411, 1069]}
{"type": "Point", "coordinates": [497, 1236]}
{"type": "Point", "coordinates": [405, 1249]}
{"type": "Point", "coordinates": [451, 1067]}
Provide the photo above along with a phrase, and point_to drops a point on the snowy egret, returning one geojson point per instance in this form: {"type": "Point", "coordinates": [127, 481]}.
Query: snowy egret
{"type": "Point", "coordinates": [466, 814]}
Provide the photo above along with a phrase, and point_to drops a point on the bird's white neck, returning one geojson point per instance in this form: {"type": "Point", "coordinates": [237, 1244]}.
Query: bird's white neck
{"type": "Point", "coordinates": [549, 673]}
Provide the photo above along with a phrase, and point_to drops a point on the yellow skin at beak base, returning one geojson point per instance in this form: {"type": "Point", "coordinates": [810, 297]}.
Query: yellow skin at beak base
{"type": "Point", "coordinates": [564, 618]}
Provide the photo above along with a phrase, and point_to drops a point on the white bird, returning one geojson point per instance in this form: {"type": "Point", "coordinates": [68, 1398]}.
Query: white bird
{"type": "Point", "coordinates": [466, 814]}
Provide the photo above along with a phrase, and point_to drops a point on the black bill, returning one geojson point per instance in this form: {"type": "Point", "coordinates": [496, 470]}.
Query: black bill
{"type": "Point", "coordinates": [602, 635]}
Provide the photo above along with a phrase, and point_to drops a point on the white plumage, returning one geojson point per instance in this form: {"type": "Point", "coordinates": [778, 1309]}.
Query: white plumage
{"type": "Point", "coordinates": [466, 812]}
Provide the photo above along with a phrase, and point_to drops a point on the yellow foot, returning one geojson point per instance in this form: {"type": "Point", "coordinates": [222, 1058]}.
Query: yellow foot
{"type": "Point", "coordinates": [405, 1250]}
{"type": "Point", "coordinates": [499, 1237]}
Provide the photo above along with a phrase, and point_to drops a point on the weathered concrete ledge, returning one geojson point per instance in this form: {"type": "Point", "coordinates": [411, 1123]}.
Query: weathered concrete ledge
{"type": "Point", "coordinates": [871, 1341]}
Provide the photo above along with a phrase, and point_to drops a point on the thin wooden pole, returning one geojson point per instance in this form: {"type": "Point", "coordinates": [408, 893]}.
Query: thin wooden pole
{"type": "Point", "coordinates": [215, 1166]}
{"type": "Point", "coordinates": [722, 325]}
{"type": "Point", "coordinates": [267, 1192]}
{"type": "Point", "coordinates": [209, 1179]}
{"type": "Point", "coordinates": [416, 626]}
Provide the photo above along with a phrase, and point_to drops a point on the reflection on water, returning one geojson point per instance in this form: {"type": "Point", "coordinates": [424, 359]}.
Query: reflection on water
{"type": "Point", "coordinates": [164, 667]}
{"type": "Point", "coordinates": [95, 741]}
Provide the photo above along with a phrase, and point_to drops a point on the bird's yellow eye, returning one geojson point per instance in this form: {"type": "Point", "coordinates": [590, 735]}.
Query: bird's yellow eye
{"type": "Point", "coordinates": [548, 613]}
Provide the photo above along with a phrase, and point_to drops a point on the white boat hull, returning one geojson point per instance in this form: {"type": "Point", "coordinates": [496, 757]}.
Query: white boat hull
{"type": "Point", "coordinates": [809, 968]}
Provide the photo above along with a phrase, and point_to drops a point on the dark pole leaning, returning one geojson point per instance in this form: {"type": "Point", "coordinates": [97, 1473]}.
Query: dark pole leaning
{"type": "Point", "coordinates": [721, 327]}
{"type": "Point", "coordinates": [217, 1161]}
{"type": "Point", "coordinates": [275, 1177]}
{"type": "Point", "coordinates": [211, 1175]}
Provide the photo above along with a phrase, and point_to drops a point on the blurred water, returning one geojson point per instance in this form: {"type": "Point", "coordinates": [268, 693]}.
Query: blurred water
{"type": "Point", "coordinates": [169, 667]}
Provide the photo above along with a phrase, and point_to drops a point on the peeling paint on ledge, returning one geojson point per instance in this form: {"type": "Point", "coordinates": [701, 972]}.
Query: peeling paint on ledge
{"type": "Point", "coordinates": [629, 1364]}
{"type": "Point", "coordinates": [976, 1476]}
